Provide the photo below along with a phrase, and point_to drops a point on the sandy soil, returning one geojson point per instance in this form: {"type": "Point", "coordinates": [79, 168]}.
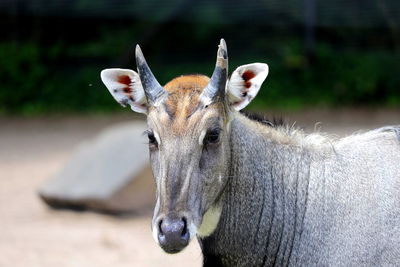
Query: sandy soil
{"type": "Point", "coordinates": [31, 234]}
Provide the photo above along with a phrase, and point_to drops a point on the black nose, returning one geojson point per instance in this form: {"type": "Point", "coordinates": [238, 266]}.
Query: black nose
{"type": "Point", "coordinates": [173, 234]}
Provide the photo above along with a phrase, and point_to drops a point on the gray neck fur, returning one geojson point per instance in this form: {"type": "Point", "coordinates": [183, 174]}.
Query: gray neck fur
{"type": "Point", "coordinates": [268, 193]}
{"type": "Point", "coordinates": [267, 219]}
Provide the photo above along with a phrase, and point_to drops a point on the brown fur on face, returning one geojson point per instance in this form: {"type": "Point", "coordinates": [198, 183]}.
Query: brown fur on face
{"type": "Point", "coordinates": [184, 92]}
{"type": "Point", "coordinates": [183, 98]}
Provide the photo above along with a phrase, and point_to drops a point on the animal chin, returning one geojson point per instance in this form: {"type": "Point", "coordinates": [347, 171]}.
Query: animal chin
{"type": "Point", "coordinates": [172, 250]}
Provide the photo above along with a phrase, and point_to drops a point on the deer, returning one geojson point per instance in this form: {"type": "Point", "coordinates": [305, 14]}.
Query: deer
{"type": "Point", "coordinates": [260, 194]}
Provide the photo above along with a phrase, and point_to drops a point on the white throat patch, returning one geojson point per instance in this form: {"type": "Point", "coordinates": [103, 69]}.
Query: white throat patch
{"type": "Point", "coordinates": [210, 221]}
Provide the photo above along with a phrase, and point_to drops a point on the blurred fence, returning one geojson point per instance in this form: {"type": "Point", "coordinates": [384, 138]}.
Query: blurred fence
{"type": "Point", "coordinates": [325, 53]}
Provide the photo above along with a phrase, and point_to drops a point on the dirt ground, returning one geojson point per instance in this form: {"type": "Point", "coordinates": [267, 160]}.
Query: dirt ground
{"type": "Point", "coordinates": [31, 234]}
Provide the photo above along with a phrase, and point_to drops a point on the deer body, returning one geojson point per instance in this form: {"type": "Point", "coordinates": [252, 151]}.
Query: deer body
{"type": "Point", "coordinates": [256, 194]}
{"type": "Point", "coordinates": [308, 202]}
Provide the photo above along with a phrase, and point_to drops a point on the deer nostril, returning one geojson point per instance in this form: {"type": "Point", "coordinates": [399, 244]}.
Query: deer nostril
{"type": "Point", "coordinates": [160, 228]}
{"type": "Point", "coordinates": [184, 230]}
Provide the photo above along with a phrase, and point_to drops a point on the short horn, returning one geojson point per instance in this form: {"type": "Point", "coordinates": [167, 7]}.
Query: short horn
{"type": "Point", "coordinates": [151, 87]}
{"type": "Point", "coordinates": [215, 89]}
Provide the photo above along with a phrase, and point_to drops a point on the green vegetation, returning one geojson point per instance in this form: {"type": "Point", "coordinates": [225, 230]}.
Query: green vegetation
{"type": "Point", "coordinates": [62, 75]}
{"type": "Point", "coordinates": [334, 78]}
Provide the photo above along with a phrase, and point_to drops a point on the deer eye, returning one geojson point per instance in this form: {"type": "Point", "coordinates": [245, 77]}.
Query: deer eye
{"type": "Point", "coordinates": [152, 138]}
{"type": "Point", "coordinates": [212, 136]}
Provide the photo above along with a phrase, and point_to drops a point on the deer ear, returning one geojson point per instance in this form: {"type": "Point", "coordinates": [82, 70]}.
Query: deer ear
{"type": "Point", "coordinates": [245, 83]}
{"type": "Point", "coordinates": [126, 88]}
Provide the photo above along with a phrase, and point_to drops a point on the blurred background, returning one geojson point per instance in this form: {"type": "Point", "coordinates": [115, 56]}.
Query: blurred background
{"type": "Point", "coordinates": [336, 62]}
{"type": "Point", "coordinates": [321, 53]}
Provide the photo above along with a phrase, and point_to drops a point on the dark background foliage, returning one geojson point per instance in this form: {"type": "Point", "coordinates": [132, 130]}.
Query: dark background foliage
{"type": "Point", "coordinates": [320, 53]}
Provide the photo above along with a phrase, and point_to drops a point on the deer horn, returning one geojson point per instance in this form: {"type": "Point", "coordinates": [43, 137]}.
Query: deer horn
{"type": "Point", "coordinates": [153, 90]}
{"type": "Point", "coordinates": [215, 90]}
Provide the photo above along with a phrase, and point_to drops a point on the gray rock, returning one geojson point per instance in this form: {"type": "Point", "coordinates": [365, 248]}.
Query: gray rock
{"type": "Point", "coordinates": [109, 173]}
